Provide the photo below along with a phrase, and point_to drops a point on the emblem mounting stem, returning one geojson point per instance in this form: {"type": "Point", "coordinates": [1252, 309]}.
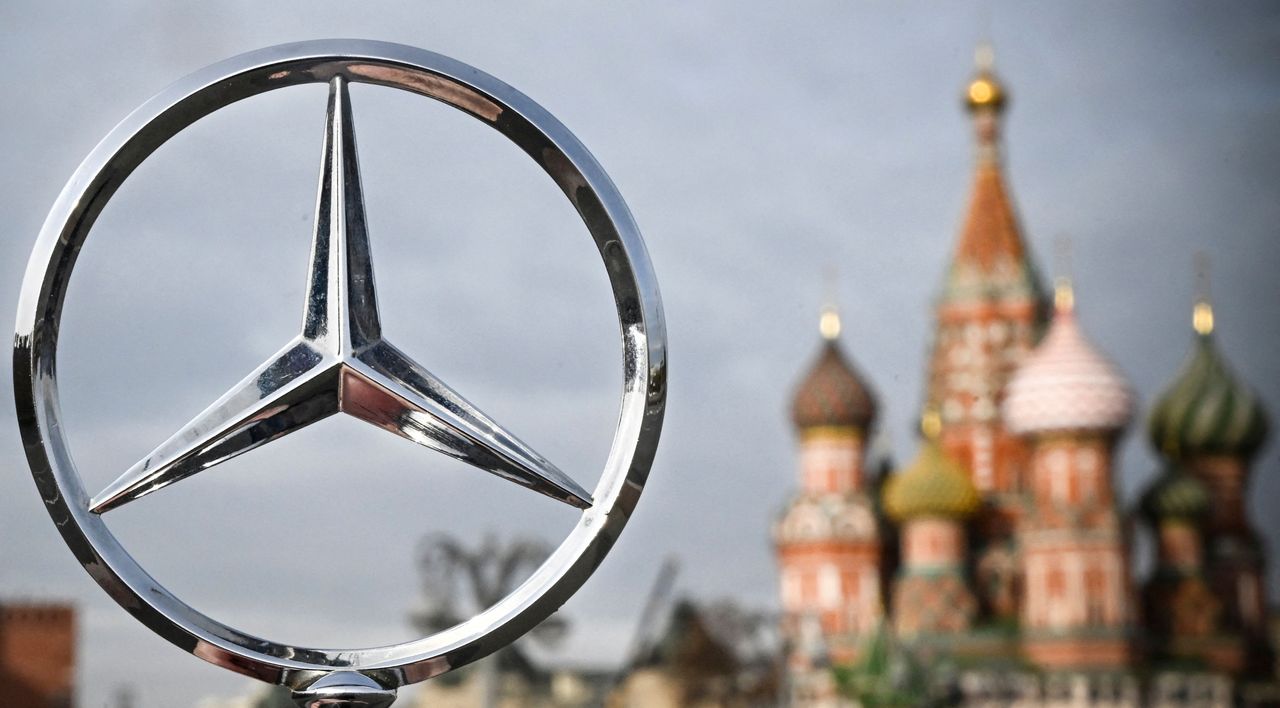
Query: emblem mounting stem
{"type": "Point", "coordinates": [344, 689]}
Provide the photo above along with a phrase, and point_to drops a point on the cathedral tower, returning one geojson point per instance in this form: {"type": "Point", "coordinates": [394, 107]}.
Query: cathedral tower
{"type": "Point", "coordinates": [1070, 404]}
{"type": "Point", "coordinates": [1183, 615]}
{"type": "Point", "coordinates": [1211, 423]}
{"type": "Point", "coordinates": [827, 539]}
{"type": "Point", "coordinates": [989, 315]}
{"type": "Point", "coordinates": [931, 499]}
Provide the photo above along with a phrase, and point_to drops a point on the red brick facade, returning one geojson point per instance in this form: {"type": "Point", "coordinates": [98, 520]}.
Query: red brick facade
{"type": "Point", "coordinates": [37, 655]}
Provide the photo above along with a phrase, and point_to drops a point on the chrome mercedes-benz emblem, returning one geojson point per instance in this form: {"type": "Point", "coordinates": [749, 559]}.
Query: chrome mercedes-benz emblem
{"type": "Point", "coordinates": [341, 363]}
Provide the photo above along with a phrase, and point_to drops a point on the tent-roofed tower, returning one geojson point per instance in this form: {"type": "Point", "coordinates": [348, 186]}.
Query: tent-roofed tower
{"type": "Point", "coordinates": [988, 317]}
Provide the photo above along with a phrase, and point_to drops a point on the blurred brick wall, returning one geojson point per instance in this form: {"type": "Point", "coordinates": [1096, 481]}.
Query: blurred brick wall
{"type": "Point", "coordinates": [37, 655]}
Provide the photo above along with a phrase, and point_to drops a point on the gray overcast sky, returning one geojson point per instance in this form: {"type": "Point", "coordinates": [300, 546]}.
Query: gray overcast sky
{"type": "Point", "coordinates": [755, 142]}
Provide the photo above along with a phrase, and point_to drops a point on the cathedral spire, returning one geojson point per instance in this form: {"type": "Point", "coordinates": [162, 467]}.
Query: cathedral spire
{"type": "Point", "coordinates": [1064, 294]}
{"type": "Point", "coordinates": [829, 321]}
{"type": "Point", "coordinates": [990, 238]}
{"type": "Point", "coordinates": [985, 98]}
{"type": "Point", "coordinates": [991, 307]}
{"type": "Point", "coordinates": [1202, 313]}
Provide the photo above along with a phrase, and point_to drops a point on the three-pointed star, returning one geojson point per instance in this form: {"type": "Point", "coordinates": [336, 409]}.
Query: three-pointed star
{"type": "Point", "coordinates": [340, 364]}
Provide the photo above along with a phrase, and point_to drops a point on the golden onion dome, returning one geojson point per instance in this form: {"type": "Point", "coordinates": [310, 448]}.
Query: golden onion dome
{"type": "Point", "coordinates": [933, 484]}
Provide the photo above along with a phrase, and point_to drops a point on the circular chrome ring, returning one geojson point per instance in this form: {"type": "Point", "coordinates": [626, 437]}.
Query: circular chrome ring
{"type": "Point", "coordinates": [483, 97]}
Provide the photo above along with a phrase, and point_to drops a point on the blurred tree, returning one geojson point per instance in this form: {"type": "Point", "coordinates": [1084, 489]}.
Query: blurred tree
{"type": "Point", "coordinates": [458, 582]}
{"type": "Point", "coordinates": [886, 674]}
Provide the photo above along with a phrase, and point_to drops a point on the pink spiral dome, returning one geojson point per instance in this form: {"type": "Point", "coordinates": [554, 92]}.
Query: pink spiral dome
{"type": "Point", "coordinates": [1066, 385]}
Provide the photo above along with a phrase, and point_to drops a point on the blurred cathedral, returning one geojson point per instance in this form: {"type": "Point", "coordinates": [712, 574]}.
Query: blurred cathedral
{"type": "Point", "coordinates": [997, 566]}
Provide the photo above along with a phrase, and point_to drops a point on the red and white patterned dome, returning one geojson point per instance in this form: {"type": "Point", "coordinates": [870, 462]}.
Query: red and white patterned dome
{"type": "Point", "coordinates": [1066, 385]}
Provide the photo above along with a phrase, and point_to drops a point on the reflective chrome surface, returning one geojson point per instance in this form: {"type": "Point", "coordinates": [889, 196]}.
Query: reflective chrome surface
{"type": "Point", "coordinates": [341, 362]}
{"type": "Point", "coordinates": [344, 689]}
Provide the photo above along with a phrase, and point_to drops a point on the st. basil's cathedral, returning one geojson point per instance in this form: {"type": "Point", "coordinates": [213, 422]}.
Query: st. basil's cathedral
{"type": "Point", "coordinates": [998, 566]}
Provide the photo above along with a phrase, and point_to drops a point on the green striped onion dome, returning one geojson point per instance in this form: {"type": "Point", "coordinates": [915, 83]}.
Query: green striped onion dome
{"type": "Point", "coordinates": [833, 394]}
{"type": "Point", "coordinates": [1176, 494]}
{"type": "Point", "coordinates": [1206, 410]}
{"type": "Point", "coordinates": [932, 485]}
